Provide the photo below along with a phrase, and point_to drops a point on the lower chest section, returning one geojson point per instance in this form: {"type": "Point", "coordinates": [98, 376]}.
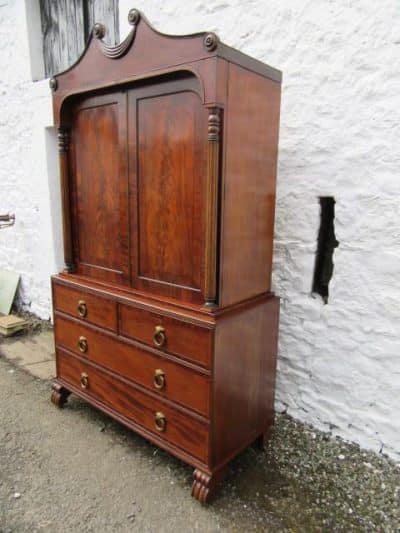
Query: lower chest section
{"type": "Point", "coordinates": [200, 386]}
{"type": "Point", "coordinates": [146, 368]}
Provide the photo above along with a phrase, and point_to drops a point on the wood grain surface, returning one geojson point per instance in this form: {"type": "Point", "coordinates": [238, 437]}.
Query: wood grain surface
{"type": "Point", "coordinates": [100, 187]}
{"type": "Point", "coordinates": [182, 339]}
{"type": "Point", "coordinates": [249, 186]}
{"type": "Point", "coordinates": [187, 432]}
{"type": "Point", "coordinates": [99, 311]}
{"type": "Point", "coordinates": [167, 127]}
{"type": "Point", "coordinates": [182, 384]}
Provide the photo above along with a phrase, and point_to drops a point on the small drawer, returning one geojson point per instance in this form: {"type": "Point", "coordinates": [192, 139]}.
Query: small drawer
{"type": "Point", "coordinates": [168, 334]}
{"type": "Point", "coordinates": [85, 306]}
{"type": "Point", "coordinates": [173, 426]}
{"type": "Point", "coordinates": [155, 372]}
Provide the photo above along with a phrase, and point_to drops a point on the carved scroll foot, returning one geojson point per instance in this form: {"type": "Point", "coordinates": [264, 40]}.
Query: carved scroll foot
{"type": "Point", "coordinates": [204, 485]}
{"type": "Point", "coordinates": [59, 394]}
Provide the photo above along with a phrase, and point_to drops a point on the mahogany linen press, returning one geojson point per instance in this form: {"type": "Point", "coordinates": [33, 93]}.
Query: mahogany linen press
{"type": "Point", "coordinates": [164, 316]}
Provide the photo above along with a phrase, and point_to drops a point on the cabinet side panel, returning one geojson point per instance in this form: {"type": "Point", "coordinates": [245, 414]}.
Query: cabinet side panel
{"type": "Point", "coordinates": [244, 377]}
{"type": "Point", "coordinates": [249, 185]}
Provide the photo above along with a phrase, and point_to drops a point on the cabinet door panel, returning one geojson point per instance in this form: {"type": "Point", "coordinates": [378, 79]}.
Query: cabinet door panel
{"type": "Point", "coordinates": [170, 139]}
{"type": "Point", "coordinates": [100, 188]}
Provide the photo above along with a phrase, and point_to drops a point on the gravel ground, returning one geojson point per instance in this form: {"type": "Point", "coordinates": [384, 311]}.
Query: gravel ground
{"type": "Point", "coordinates": [76, 470]}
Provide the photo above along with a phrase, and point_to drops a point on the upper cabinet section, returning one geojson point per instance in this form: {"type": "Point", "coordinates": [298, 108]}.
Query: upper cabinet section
{"type": "Point", "coordinates": [146, 52]}
{"type": "Point", "coordinates": [168, 153]}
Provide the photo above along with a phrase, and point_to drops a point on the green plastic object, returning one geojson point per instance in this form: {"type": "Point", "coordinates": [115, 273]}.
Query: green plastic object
{"type": "Point", "coordinates": [8, 287]}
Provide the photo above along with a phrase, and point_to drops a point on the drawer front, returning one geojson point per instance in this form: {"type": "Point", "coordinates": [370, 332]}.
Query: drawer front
{"type": "Point", "coordinates": [172, 425]}
{"type": "Point", "coordinates": [85, 306]}
{"type": "Point", "coordinates": [169, 334]}
{"type": "Point", "coordinates": [166, 378]}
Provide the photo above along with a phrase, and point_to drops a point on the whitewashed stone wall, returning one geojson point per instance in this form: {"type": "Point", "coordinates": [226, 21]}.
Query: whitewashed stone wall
{"type": "Point", "coordinates": [28, 172]}
{"type": "Point", "coordinates": [339, 364]}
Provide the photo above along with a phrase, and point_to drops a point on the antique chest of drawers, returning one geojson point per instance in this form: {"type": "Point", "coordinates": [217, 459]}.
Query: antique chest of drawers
{"type": "Point", "coordinates": [164, 316]}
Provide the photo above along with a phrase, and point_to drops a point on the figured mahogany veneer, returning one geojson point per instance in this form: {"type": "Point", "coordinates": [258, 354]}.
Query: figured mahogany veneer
{"type": "Point", "coordinates": [154, 371]}
{"type": "Point", "coordinates": [85, 306]}
{"type": "Point", "coordinates": [164, 316]}
{"type": "Point", "coordinates": [180, 338]}
{"type": "Point", "coordinates": [98, 153]}
{"type": "Point", "coordinates": [181, 429]}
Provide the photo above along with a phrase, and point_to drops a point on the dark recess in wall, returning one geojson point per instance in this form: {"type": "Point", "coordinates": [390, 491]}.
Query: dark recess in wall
{"type": "Point", "coordinates": [326, 244]}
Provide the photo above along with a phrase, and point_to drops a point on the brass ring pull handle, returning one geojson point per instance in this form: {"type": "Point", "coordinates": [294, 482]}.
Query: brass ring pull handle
{"type": "Point", "coordinates": [160, 421]}
{"type": "Point", "coordinates": [159, 379]}
{"type": "Point", "coordinates": [84, 380]}
{"type": "Point", "coordinates": [82, 309]}
{"type": "Point", "coordinates": [159, 337]}
{"type": "Point", "coordinates": [83, 344]}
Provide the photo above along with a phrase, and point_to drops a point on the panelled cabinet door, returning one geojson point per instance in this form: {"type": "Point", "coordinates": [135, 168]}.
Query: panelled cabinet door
{"type": "Point", "coordinates": [99, 178]}
{"type": "Point", "coordinates": [167, 131]}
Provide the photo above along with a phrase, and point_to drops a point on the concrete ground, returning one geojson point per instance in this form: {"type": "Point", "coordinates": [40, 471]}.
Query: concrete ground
{"type": "Point", "coordinates": [76, 470]}
{"type": "Point", "coordinates": [33, 353]}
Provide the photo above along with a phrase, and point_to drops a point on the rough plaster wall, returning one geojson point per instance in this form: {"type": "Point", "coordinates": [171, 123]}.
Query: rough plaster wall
{"type": "Point", "coordinates": [28, 176]}
{"type": "Point", "coordinates": [339, 364]}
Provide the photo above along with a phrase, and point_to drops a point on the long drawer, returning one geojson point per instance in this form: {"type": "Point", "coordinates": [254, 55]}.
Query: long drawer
{"type": "Point", "coordinates": [155, 372]}
{"type": "Point", "coordinates": [85, 306]}
{"type": "Point", "coordinates": [176, 427]}
{"type": "Point", "coordinates": [169, 334]}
